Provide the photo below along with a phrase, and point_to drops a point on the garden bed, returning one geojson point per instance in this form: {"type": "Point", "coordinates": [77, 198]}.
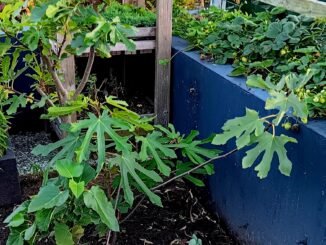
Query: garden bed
{"type": "Point", "coordinates": [182, 216]}
{"type": "Point", "coordinates": [260, 211]}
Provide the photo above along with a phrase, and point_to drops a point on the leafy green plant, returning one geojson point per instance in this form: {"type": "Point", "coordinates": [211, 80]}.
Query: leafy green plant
{"type": "Point", "coordinates": [134, 161]}
{"type": "Point", "coordinates": [51, 32]}
{"type": "Point", "coordinates": [62, 201]}
{"type": "Point", "coordinates": [271, 43]}
{"type": "Point", "coordinates": [131, 15]}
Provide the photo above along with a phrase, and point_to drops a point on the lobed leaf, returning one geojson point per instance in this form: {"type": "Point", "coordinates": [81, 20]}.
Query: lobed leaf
{"type": "Point", "coordinates": [269, 145]}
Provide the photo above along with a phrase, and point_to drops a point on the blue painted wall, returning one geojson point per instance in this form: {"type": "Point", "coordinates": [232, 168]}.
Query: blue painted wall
{"type": "Point", "coordinates": [277, 210]}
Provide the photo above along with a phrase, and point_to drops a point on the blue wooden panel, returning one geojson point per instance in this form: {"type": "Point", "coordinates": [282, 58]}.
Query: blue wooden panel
{"type": "Point", "coordinates": [277, 210]}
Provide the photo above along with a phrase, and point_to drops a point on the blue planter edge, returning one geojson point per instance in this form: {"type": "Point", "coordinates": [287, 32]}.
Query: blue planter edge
{"type": "Point", "coordinates": [283, 210]}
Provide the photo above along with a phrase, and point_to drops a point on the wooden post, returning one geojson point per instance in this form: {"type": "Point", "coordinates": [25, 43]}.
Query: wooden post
{"type": "Point", "coordinates": [163, 52]}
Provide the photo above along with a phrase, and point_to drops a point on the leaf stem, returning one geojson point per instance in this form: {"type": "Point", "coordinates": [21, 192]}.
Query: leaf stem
{"type": "Point", "coordinates": [108, 238]}
{"type": "Point", "coordinates": [194, 169]}
{"type": "Point", "coordinates": [268, 117]}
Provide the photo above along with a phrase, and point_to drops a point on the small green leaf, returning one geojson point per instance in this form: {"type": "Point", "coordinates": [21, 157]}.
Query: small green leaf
{"type": "Point", "coordinates": [51, 11]}
{"type": "Point", "coordinates": [152, 145]}
{"type": "Point", "coordinates": [5, 46]}
{"type": "Point", "coordinates": [77, 188]}
{"type": "Point", "coordinates": [128, 166]}
{"type": "Point", "coordinates": [16, 102]}
{"type": "Point", "coordinates": [57, 111]}
{"type": "Point", "coordinates": [96, 199]}
{"type": "Point", "coordinates": [15, 238]}
{"type": "Point", "coordinates": [31, 38]}
{"type": "Point", "coordinates": [20, 209]}
{"type": "Point", "coordinates": [286, 103]}
{"type": "Point", "coordinates": [77, 233]}
{"type": "Point", "coordinates": [49, 196]}
{"type": "Point", "coordinates": [257, 81]}
{"type": "Point", "coordinates": [278, 10]}
{"type": "Point", "coordinates": [270, 145]}
{"type": "Point", "coordinates": [88, 174]}
{"type": "Point", "coordinates": [238, 71]}
{"type": "Point", "coordinates": [43, 219]}
{"type": "Point", "coordinates": [69, 169]}
{"type": "Point", "coordinates": [307, 50]}
{"type": "Point", "coordinates": [29, 233]}
{"type": "Point", "coordinates": [164, 62]}
{"type": "Point", "coordinates": [242, 128]}
{"type": "Point", "coordinates": [17, 220]}
{"type": "Point", "coordinates": [62, 235]}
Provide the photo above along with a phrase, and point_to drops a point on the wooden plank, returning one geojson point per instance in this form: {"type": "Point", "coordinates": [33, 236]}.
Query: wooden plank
{"type": "Point", "coordinates": [140, 45]}
{"type": "Point", "coordinates": [307, 7]}
{"type": "Point", "coordinates": [130, 52]}
{"type": "Point", "coordinates": [144, 32]}
{"type": "Point", "coordinates": [163, 52]}
{"type": "Point", "coordinates": [149, 51]}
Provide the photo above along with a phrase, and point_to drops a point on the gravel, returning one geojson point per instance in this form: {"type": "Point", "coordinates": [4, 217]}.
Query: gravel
{"type": "Point", "coordinates": [23, 144]}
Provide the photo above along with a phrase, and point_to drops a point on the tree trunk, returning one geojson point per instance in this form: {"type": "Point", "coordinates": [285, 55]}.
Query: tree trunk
{"type": "Point", "coordinates": [69, 74]}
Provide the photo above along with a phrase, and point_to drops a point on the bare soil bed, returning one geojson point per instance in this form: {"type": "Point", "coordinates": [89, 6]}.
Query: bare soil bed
{"type": "Point", "coordinates": [185, 213]}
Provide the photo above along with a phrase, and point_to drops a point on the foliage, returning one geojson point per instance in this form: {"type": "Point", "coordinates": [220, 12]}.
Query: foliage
{"type": "Point", "coordinates": [271, 44]}
{"type": "Point", "coordinates": [104, 139]}
{"type": "Point", "coordinates": [135, 159]}
{"type": "Point", "coordinates": [51, 31]}
{"type": "Point", "coordinates": [4, 125]}
{"type": "Point", "coordinates": [195, 240]}
{"type": "Point", "coordinates": [62, 201]}
{"type": "Point", "coordinates": [3, 134]}
{"type": "Point", "coordinates": [130, 14]}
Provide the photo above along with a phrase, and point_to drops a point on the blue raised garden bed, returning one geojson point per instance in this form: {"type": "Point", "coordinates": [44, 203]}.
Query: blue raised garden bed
{"type": "Point", "coordinates": [276, 210]}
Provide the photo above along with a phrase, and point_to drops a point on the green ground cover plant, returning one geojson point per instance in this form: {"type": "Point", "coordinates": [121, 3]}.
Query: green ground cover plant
{"type": "Point", "coordinates": [131, 15]}
{"type": "Point", "coordinates": [104, 139]}
{"type": "Point", "coordinates": [267, 45]}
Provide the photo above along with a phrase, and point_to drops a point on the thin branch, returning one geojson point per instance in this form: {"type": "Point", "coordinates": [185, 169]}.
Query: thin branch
{"type": "Point", "coordinates": [115, 208]}
{"type": "Point", "coordinates": [20, 93]}
{"type": "Point", "coordinates": [61, 90]}
{"type": "Point", "coordinates": [87, 73]}
{"type": "Point", "coordinates": [194, 169]}
{"type": "Point", "coordinates": [178, 177]}
{"type": "Point", "coordinates": [61, 48]}
{"type": "Point", "coordinates": [118, 196]}
{"type": "Point", "coordinates": [273, 127]}
{"type": "Point", "coordinates": [268, 117]}
{"type": "Point", "coordinates": [133, 211]}
{"type": "Point", "coordinates": [41, 92]}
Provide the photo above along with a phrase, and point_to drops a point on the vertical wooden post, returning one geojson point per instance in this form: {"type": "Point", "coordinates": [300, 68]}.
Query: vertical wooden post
{"type": "Point", "coordinates": [163, 52]}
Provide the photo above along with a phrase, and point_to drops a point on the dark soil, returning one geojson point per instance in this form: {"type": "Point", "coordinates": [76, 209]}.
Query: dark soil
{"type": "Point", "coordinates": [182, 216]}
